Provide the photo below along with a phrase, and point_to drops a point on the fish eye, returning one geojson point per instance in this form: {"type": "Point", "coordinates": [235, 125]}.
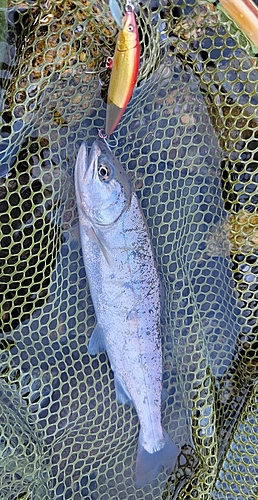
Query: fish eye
{"type": "Point", "coordinates": [130, 27]}
{"type": "Point", "coordinates": [104, 172]}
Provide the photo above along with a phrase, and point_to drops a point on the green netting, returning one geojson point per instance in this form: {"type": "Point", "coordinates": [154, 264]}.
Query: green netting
{"type": "Point", "coordinates": [188, 141]}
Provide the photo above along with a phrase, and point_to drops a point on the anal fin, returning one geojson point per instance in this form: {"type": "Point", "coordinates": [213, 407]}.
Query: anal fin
{"type": "Point", "coordinates": [97, 342]}
{"type": "Point", "coordinates": [122, 395]}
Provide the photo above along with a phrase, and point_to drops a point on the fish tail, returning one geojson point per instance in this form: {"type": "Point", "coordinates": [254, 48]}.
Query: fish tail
{"type": "Point", "coordinates": [148, 465]}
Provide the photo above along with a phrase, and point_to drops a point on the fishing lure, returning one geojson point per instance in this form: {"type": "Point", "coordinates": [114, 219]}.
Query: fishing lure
{"type": "Point", "coordinates": [125, 65]}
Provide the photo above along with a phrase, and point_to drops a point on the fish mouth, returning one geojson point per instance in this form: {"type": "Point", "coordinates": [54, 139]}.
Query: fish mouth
{"type": "Point", "coordinates": [98, 148]}
{"type": "Point", "coordinates": [81, 164]}
{"type": "Point", "coordinates": [87, 163]}
{"type": "Point", "coordinates": [92, 164]}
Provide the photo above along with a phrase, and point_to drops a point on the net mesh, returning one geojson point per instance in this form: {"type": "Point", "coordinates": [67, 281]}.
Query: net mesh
{"type": "Point", "coordinates": [188, 141]}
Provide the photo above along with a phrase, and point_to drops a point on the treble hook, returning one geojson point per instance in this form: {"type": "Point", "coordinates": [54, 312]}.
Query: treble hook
{"type": "Point", "coordinates": [108, 65]}
{"type": "Point", "coordinates": [104, 137]}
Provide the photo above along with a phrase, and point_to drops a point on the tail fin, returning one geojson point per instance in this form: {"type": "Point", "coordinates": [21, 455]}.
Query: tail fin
{"type": "Point", "coordinates": [148, 465]}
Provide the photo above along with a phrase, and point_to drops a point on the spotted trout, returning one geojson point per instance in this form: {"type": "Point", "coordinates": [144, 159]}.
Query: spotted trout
{"type": "Point", "coordinates": [125, 289]}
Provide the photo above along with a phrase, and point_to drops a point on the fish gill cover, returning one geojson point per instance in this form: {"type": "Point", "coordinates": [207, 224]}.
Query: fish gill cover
{"type": "Point", "coordinates": [188, 141]}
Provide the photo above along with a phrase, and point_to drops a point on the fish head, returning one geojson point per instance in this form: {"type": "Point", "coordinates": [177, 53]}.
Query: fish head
{"type": "Point", "coordinates": [103, 190]}
{"type": "Point", "coordinates": [128, 37]}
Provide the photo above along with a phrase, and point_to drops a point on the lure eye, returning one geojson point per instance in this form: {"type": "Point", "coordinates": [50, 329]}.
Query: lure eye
{"type": "Point", "coordinates": [130, 27]}
{"type": "Point", "coordinates": [104, 172]}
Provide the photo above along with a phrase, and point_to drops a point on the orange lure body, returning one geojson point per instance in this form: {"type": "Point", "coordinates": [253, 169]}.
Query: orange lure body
{"type": "Point", "coordinates": [124, 71]}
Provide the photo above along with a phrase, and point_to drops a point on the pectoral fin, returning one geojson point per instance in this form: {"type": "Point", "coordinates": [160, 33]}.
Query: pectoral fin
{"type": "Point", "coordinates": [97, 341]}
{"type": "Point", "coordinates": [94, 237]}
{"type": "Point", "coordinates": [122, 395]}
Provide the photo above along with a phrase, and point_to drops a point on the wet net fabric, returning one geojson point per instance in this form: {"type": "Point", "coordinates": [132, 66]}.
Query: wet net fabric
{"type": "Point", "coordinates": [188, 141]}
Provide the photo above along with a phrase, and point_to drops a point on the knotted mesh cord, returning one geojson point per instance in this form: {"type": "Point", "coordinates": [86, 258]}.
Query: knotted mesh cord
{"type": "Point", "coordinates": [188, 142]}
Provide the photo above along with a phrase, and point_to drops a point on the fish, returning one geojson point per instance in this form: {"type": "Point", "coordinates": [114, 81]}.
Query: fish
{"type": "Point", "coordinates": [125, 290]}
{"type": "Point", "coordinates": [125, 67]}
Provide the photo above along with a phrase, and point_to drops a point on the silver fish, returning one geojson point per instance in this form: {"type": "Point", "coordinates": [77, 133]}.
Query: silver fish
{"type": "Point", "coordinates": [125, 290]}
